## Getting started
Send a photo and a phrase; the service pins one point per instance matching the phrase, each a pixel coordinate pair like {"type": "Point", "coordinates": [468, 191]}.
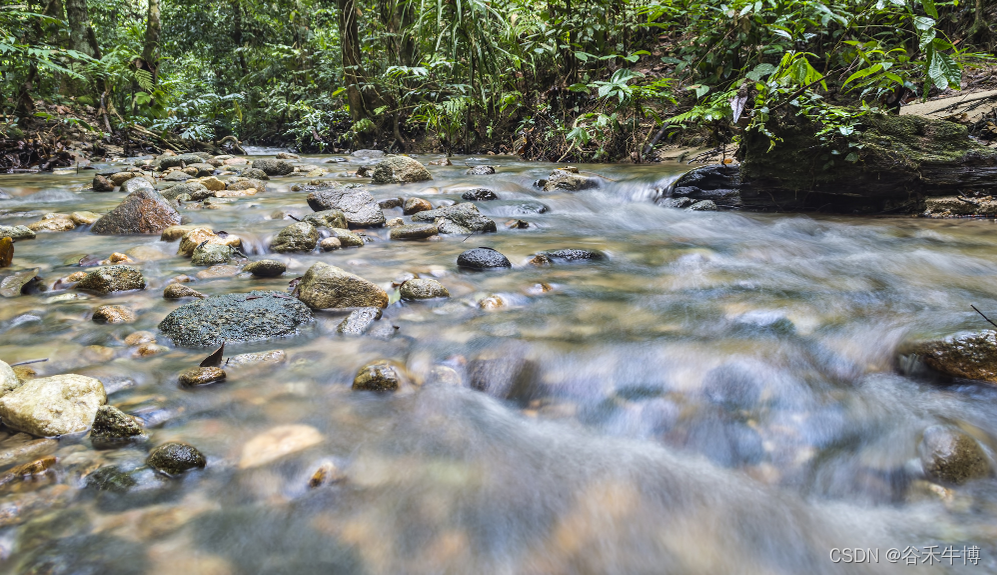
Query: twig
{"type": "Point", "coordinates": [984, 317]}
{"type": "Point", "coordinates": [29, 361]}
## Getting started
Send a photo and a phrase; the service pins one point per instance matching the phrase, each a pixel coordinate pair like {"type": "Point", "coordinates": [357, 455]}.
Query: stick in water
{"type": "Point", "coordinates": [29, 361]}
{"type": "Point", "coordinates": [984, 317]}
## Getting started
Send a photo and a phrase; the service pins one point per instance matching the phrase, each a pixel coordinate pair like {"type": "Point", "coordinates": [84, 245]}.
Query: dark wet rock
{"type": "Point", "coordinates": [573, 255]}
{"type": "Point", "coordinates": [210, 254]}
{"type": "Point", "coordinates": [177, 176]}
{"type": "Point", "coordinates": [359, 321]}
{"type": "Point", "coordinates": [204, 169]}
{"type": "Point", "coordinates": [564, 179]}
{"type": "Point", "coordinates": [174, 458]}
{"type": "Point", "coordinates": [142, 212]}
{"type": "Point", "coordinates": [110, 478]}
{"type": "Point", "coordinates": [733, 387]}
{"type": "Point", "coordinates": [704, 206]}
{"type": "Point", "coordinates": [199, 376]}
{"type": "Point", "coordinates": [274, 167]}
{"type": "Point", "coordinates": [238, 317]}
{"type": "Point", "coordinates": [17, 233]}
{"type": "Point", "coordinates": [110, 279]}
{"type": "Point", "coordinates": [479, 195]}
{"type": "Point", "coordinates": [416, 205]}
{"type": "Point", "coordinates": [381, 375]}
{"type": "Point", "coordinates": [367, 154]}
{"type": "Point", "coordinates": [136, 185]}
{"type": "Point", "coordinates": [53, 406]}
{"type": "Point", "coordinates": [414, 232]}
{"type": "Point", "coordinates": [457, 219]}
{"type": "Point", "coordinates": [347, 239]}
{"type": "Point", "coordinates": [400, 170]}
{"type": "Point", "coordinates": [483, 259]}
{"type": "Point", "coordinates": [967, 355]}
{"type": "Point", "coordinates": [163, 163]}
{"type": "Point", "coordinates": [180, 291]}
{"type": "Point", "coordinates": [112, 424]}
{"type": "Point", "coordinates": [388, 203]}
{"type": "Point", "coordinates": [297, 237]}
{"type": "Point", "coordinates": [113, 314]}
{"type": "Point", "coordinates": [324, 286]}
{"type": "Point", "coordinates": [327, 219]}
{"type": "Point", "coordinates": [480, 171]}
{"type": "Point", "coordinates": [186, 189]}
{"type": "Point", "coordinates": [356, 203]}
{"type": "Point", "coordinates": [19, 282]}
{"type": "Point", "coordinates": [422, 289]}
{"type": "Point", "coordinates": [102, 184]}
{"type": "Point", "coordinates": [951, 456]}
{"type": "Point", "coordinates": [677, 203]}
{"type": "Point", "coordinates": [254, 174]}
{"type": "Point", "coordinates": [265, 268]}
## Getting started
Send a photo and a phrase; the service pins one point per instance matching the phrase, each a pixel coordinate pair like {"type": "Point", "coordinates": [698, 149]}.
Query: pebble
{"type": "Point", "coordinates": [113, 314]}
{"type": "Point", "coordinates": [174, 458]}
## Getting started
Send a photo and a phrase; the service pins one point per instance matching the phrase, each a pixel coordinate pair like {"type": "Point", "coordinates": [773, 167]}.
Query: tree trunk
{"type": "Point", "coordinates": [150, 52]}
{"type": "Point", "coordinates": [79, 26]}
{"type": "Point", "coordinates": [237, 34]}
{"type": "Point", "coordinates": [362, 99]}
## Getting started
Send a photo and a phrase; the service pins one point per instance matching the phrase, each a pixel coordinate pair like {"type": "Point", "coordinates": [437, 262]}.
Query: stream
{"type": "Point", "coordinates": [720, 394]}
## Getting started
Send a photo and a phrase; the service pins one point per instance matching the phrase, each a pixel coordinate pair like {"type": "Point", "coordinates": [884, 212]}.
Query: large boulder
{"type": "Point", "coordinates": [52, 406]}
{"type": "Point", "coordinates": [969, 355]}
{"type": "Point", "coordinates": [298, 237]}
{"type": "Point", "coordinates": [142, 212]}
{"type": "Point", "coordinates": [274, 167]}
{"type": "Point", "coordinates": [110, 279]}
{"type": "Point", "coordinates": [324, 286]}
{"type": "Point", "coordinates": [237, 317]}
{"type": "Point", "coordinates": [400, 170]}
{"type": "Point", "coordinates": [457, 219]}
{"type": "Point", "coordinates": [356, 203]}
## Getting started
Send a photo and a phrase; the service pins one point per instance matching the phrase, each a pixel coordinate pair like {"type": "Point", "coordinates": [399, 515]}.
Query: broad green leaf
{"type": "Point", "coordinates": [929, 8]}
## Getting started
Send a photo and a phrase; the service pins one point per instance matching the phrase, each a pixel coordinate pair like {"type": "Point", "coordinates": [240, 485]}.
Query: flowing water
{"type": "Point", "coordinates": [720, 395]}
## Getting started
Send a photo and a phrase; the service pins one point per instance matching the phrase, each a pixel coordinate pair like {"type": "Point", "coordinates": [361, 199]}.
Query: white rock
{"type": "Point", "coordinates": [51, 406]}
{"type": "Point", "coordinates": [276, 443]}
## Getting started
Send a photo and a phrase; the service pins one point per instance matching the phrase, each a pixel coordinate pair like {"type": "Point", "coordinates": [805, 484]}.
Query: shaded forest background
{"type": "Point", "coordinates": [578, 80]}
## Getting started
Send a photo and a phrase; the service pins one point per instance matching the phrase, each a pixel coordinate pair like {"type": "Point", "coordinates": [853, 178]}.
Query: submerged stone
{"type": "Point", "coordinates": [951, 456]}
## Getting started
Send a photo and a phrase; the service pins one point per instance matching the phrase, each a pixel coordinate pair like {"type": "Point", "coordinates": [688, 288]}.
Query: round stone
{"type": "Point", "coordinates": [174, 458]}
{"type": "Point", "coordinates": [483, 259]}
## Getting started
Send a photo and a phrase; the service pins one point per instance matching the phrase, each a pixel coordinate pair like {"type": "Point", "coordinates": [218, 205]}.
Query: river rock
{"type": "Point", "coordinates": [356, 203]}
{"type": "Point", "coordinates": [416, 205]}
{"type": "Point", "coordinates": [112, 279]}
{"type": "Point", "coordinates": [273, 357]}
{"type": "Point", "coordinates": [567, 180]}
{"type": "Point", "coordinates": [265, 268]}
{"type": "Point", "coordinates": [238, 187]}
{"type": "Point", "coordinates": [380, 375]}
{"type": "Point", "coordinates": [6, 252]}
{"type": "Point", "coordinates": [204, 169]}
{"type": "Point", "coordinates": [479, 195]}
{"type": "Point", "coordinates": [327, 219]}
{"type": "Point", "coordinates": [112, 424]}
{"type": "Point", "coordinates": [366, 154]}
{"type": "Point", "coordinates": [388, 203]}
{"type": "Point", "coordinates": [102, 184]}
{"type": "Point", "coordinates": [113, 314]}
{"type": "Point", "coordinates": [422, 289]}
{"type": "Point", "coordinates": [971, 355]}
{"type": "Point", "coordinates": [572, 255]}
{"type": "Point", "coordinates": [400, 170]}
{"type": "Point", "coordinates": [197, 236]}
{"type": "Point", "coordinates": [52, 406]}
{"type": "Point", "coordinates": [121, 177]}
{"type": "Point", "coordinates": [297, 237]}
{"type": "Point", "coordinates": [174, 458]}
{"type": "Point", "coordinates": [8, 379]}
{"type": "Point", "coordinates": [329, 244]}
{"type": "Point", "coordinates": [457, 219]}
{"type": "Point", "coordinates": [274, 167]}
{"type": "Point", "coordinates": [186, 189]}
{"type": "Point", "coordinates": [142, 212]}
{"type": "Point", "coordinates": [324, 286]}
{"type": "Point", "coordinates": [276, 443]}
{"type": "Point", "coordinates": [16, 283]}
{"type": "Point", "coordinates": [254, 174]}
{"type": "Point", "coordinates": [84, 218]}
{"type": "Point", "coordinates": [483, 259]}
{"type": "Point", "coordinates": [136, 185]}
{"type": "Point", "coordinates": [53, 223]}
{"type": "Point", "coordinates": [480, 171]}
{"type": "Point", "coordinates": [17, 233]}
{"type": "Point", "coordinates": [165, 162]}
{"type": "Point", "coordinates": [237, 317]}
{"type": "Point", "coordinates": [209, 254]}
{"type": "Point", "coordinates": [359, 321]}
{"type": "Point", "coordinates": [704, 206]}
{"type": "Point", "coordinates": [347, 239]}
{"type": "Point", "coordinates": [212, 184]}
{"type": "Point", "coordinates": [200, 376]}
{"type": "Point", "coordinates": [414, 232]}
{"type": "Point", "coordinates": [177, 176]}
{"type": "Point", "coordinates": [174, 233]}
{"type": "Point", "coordinates": [180, 291]}
{"type": "Point", "coordinates": [950, 456]}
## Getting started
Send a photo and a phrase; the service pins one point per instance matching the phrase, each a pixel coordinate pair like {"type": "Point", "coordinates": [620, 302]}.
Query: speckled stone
{"type": "Point", "coordinates": [110, 279]}
{"type": "Point", "coordinates": [253, 316]}
{"type": "Point", "coordinates": [174, 458]}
